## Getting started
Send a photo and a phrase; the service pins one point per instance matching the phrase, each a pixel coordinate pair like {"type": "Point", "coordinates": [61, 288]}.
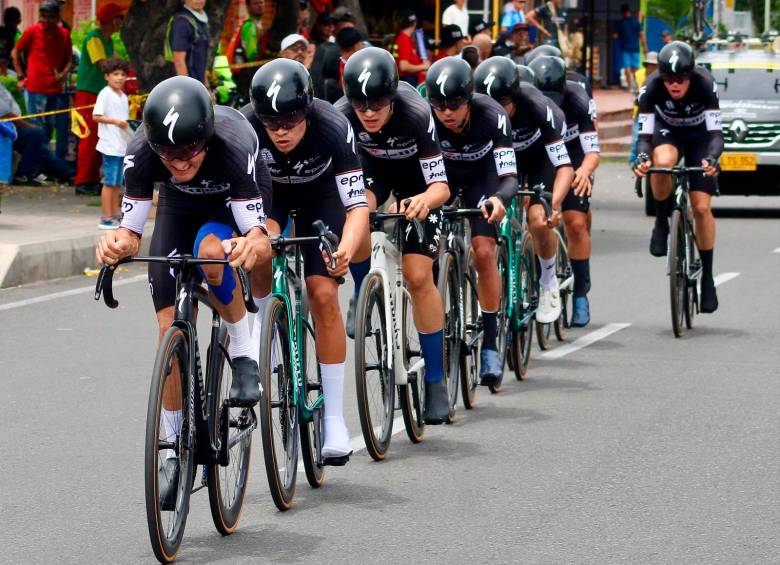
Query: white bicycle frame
{"type": "Point", "coordinates": [386, 262]}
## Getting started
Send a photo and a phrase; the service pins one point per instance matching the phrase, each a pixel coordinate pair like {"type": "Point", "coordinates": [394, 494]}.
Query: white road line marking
{"type": "Point", "coordinates": [724, 278]}
{"type": "Point", "coordinates": [776, 250]}
{"type": "Point", "coordinates": [584, 341]}
{"type": "Point", "coordinates": [66, 293]}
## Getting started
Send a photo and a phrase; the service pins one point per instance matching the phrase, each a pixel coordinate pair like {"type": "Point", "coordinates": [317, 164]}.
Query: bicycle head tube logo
{"type": "Point", "coordinates": [363, 78]}
{"type": "Point", "coordinates": [273, 93]}
{"type": "Point", "coordinates": [170, 120]}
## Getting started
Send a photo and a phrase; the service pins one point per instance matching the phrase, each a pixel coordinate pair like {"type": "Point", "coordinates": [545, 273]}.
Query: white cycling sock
{"type": "Point", "coordinates": [239, 345]}
{"type": "Point", "coordinates": [333, 389]}
{"type": "Point", "coordinates": [172, 423]}
{"type": "Point", "coordinates": [257, 326]}
{"type": "Point", "coordinates": [548, 276]}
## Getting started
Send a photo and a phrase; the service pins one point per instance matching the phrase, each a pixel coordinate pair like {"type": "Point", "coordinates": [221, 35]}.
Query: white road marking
{"type": "Point", "coordinates": [776, 250]}
{"type": "Point", "coordinates": [724, 278]}
{"type": "Point", "coordinates": [584, 341]}
{"type": "Point", "coordinates": [66, 293]}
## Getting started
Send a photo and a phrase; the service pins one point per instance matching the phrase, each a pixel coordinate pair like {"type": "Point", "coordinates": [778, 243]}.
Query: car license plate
{"type": "Point", "coordinates": [738, 162]}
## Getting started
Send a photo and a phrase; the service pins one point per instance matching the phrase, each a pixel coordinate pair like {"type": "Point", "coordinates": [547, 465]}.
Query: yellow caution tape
{"type": "Point", "coordinates": [78, 125]}
{"type": "Point", "coordinates": [137, 98]}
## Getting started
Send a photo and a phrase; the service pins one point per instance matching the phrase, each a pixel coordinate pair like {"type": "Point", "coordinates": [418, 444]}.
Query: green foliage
{"type": "Point", "coordinates": [670, 11]}
{"type": "Point", "coordinates": [79, 32]}
{"type": "Point", "coordinates": [12, 85]}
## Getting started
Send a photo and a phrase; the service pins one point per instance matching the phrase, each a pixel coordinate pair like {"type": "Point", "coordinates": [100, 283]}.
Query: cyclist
{"type": "Point", "coordinates": [476, 142]}
{"type": "Point", "coordinates": [679, 116]}
{"type": "Point", "coordinates": [213, 185]}
{"type": "Point", "coordinates": [538, 127]}
{"type": "Point", "coordinates": [310, 150]}
{"type": "Point", "coordinates": [552, 51]}
{"type": "Point", "coordinates": [582, 143]}
{"type": "Point", "coordinates": [400, 153]}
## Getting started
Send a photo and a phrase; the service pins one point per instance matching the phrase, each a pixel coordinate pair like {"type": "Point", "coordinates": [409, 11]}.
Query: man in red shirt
{"type": "Point", "coordinates": [452, 41]}
{"type": "Point", "coordinates": [49, 57]}
{"type": "Point", "coordinates": [411, 68]}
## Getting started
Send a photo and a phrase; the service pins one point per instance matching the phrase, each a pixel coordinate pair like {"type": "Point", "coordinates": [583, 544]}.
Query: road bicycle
{"type": "Point", "coordinates": [683, 262]}
{"type": "Point", "coordinates": [388, 359]}
{"type": "Point", "coordinates": [212, 432]}
{"type": "Point", "coordinates": [292, 403]}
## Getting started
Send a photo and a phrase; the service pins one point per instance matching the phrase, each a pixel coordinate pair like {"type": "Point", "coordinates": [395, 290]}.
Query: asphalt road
{"type": "Point", "coordinates": [637, 448]}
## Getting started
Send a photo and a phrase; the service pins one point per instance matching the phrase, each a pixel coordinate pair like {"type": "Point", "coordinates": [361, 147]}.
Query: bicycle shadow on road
{"type": "Point", "coordinates": [701, 330]}
{"type": "Point", "coordinates": [748, 213]}
{"type": "Point", "coordinates": [344, 491]}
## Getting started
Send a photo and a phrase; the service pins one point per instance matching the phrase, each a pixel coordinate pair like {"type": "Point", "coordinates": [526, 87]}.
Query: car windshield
{"type": "Point", "coordinates": [748, 84]}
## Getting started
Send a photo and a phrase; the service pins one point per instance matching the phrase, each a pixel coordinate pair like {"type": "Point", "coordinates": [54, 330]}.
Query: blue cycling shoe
{"type": "Point", "coordinates": [490, 370]}
{"type": "Point", "coordinates": [581, 317]}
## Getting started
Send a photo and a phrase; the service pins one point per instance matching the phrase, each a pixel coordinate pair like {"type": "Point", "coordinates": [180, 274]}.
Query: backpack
{"type": "Point", "coordinates": [168, 50]}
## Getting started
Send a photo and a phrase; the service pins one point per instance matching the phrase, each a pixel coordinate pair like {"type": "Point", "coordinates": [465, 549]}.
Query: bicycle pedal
{"type": "Point", "coordinates": [336, 461]}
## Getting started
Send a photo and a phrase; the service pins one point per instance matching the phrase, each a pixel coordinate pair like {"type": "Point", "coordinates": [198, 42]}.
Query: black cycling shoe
{"type": "Point", "coordinates": [350, 325]}
{"type": "Point", "coordinates": [708, 302]}
{"type": "Point", "coordinates": [437, 405]}
{"type": "Point", "coordinates": [245, 390]}
{"type": "Point", "coordinates": [168, 483]}
{"type": "Point", "coordinates": [659, 246]}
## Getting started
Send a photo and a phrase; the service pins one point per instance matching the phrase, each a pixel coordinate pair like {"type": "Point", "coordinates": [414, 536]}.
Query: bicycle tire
{"type": "Point", "coordinates": [449, 290]}
{"type": "Point", "coordinates": [469, 368]}
{"type": "Point", "coordinates": [677, 274]}
{"type": "Point", "coordinates": [166, 540]}
{"type": "Point", "coordinates": [411, 408]}
{"type": "Point", "coordinates": [503, 308]}
{"type": "Point", "coordinates": [371, 349]}
{"type": "Point", "coordinates": [563, 272]}
{"type": "Point", "coordinates": [692, 296]}
{"type": "Point", "coordinates": [312, 379]}
{"type": "Point", "coordinates": [226, 510]}
{"type": "Point", "coordinates": [276, 375]}
{"type": "Point", "coordinates": [523, 336]}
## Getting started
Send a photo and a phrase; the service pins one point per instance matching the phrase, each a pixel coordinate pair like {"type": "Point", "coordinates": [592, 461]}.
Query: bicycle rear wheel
{"type": "Point", "coordinates": [374, 381]}
{"type": "Point", "coordinates": [501, 315]}
{"type": "Point", "coordinates": [411, 396]}
{"type": "Point", "coordinates": [169, 432]}
{"type": "Point", "coordinates": [227, 485]}
{"type": "Point", "coordinates": [564, 274]}
{"type": "Point", "coordinates": [278, 411]}
{"type": "Point", "coordinates": [469, 370]}
{"type": "Point", "coordinates": [522, 337]}
{"type": "Point", "coordinates": [677, 274]}
{"type": "Point", "coordinates": [449, 289]}
{"type": "Point", "coordinates": [312, 379]}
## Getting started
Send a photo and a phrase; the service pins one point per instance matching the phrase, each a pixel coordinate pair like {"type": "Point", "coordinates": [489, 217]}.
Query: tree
{"type": "Point", "coordinates": [670, 11]}
{"type": "Point", "coordinates": [144, 30]}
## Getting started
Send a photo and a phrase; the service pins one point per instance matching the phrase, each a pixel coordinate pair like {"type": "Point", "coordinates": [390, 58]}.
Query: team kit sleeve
{"type": "Point", "coordinates": [429, 150]}
{"type": "Point", "coordinates": [504, 156]}
{"type": "Point", "coordinates": [346, 165]}
{"type": "Point", "coordinates": [586, 113]}
{"type": "Point", "coordinates": [139, 184]}
{"type": "Point", "coordinates": [646, 117]}
{"type": "Point", "coordinates": [250, 188]}
{"type": "Point", "coordinates": [553, 129]}
{"type": "Point", "coordinates": [713, 120]}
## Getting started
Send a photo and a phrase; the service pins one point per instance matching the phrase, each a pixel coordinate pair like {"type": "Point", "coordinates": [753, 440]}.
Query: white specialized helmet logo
{"type": "Point", "coordinates": [489, 81]}
{"type": "Point", "coordinates": [673, 60]}
{"type": "Point", "coordinates": [170, 120]}
{"type": "Point", "coordinates": [441, 81]}
{"type": "Point", "coordinates": [363, 78]}
{"type": "Point", "coordinates": [273, 92]}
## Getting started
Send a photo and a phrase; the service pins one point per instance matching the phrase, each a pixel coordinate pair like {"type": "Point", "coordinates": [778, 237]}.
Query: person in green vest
{"type": "Point", "coordinates": [248, 43]}
{"type": "Point", "coordinates": [97, 47]}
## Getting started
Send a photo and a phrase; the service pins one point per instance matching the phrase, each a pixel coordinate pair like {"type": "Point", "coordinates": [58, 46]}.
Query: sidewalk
{"type": "Point", "coordinates": [46, 233]}
{"type": "Point", "coordinates": [613, 101]}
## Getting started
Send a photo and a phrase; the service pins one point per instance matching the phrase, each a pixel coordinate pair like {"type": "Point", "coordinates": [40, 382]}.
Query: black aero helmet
{"type": "Point", "coordinates": [676, 59]}
{"type": "Point", "coordinates": [542, 51]}
{"type": "Point", "coordinates": [450, 77]}
{"type": "Point", "coordinates": [497, 77]}
{"type": "Point", "coordinates": [550, 76]}
{"type": "Point", "coordinates": [370, 73]}
{"type": "Point", "coordinates": [526, 74]}
{"type": "Point", "coordinates": [178, 118]}
{"type": "Point", "coordinates": [280, 87]}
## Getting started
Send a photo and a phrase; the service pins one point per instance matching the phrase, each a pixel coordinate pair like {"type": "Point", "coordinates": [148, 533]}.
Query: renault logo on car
{"type": "Point", "coordinates": [738, 130]}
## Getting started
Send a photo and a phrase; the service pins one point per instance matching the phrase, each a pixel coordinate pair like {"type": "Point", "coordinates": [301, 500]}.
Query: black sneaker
{"type": "Point", "coordinates": [709, 298]}
{"type": "Point", "coordinates": [659, 246]}
{"type": "Point", "coordinates": [437, 405]}
{"type": "Point", "coordinates": [350, 325]}
{"type": "Point", "coordinates": [88, 189]}
{"type": "Point", "coordinates": [27, 181]}
{"type": "Point", "coordinates": [245, 390]}
{"type": "Point", "coordinates": [168, 483]}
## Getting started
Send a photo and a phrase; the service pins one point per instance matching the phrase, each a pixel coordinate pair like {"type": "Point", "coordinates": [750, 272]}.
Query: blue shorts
{"type": "Point", "coordinates": [113, 170]}
{"type": "Point", "coordinates": [630, 60]}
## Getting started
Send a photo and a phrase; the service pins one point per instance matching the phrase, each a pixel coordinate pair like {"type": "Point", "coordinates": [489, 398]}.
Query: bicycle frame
{"type": "Point", "coordinates": [682, 203]}
{"type": "Point", "coordinates": [511, 230]}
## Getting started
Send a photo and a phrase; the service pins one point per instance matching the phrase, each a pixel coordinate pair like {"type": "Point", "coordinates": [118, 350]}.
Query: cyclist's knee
{"type": "Point", "coordinates": [576, 226]}
{"type": "Point", "coordinates": [211, 248]}
{"type": "Point", "coordinates": [323, 296]}
{"type": "Point", "coordinates": [164, 319]}
{"type": "Point", "coordinates": [665, 156]}
{"type": "Point", "coordinates": [485, 252]}
{"type": "Point", "coordinates": [417, 277]}
{"type": "Point", "coordinates": [701, 208]}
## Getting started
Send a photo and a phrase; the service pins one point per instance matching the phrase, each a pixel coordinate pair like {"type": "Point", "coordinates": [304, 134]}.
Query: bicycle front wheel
{"type": "Point", "coordinates": [278, 410]}
{"type": "Point", "coordinates": [503, 308]}
{"type": "Point", "coordinates": [566, 277]}
{"type": "Point", "coordinates": [469, 373]}
{"type": "Point", "coordinates": [312, 379]}
{"type": "Point", "coordinates": [449, 289]}
{"type": "Point", "coordinates": [374, 381]}
{"type": "Point", "coordinates": [677, 274]}
{"type": "Point", "coordinates": [522, 337]}
{"type": "Point", "coordinates": [227, 485]}
{"type": "Point", "coordinates": [169, 440]}
{"type": "Point", "coordinates": [411, 396]}
{"type": "Point", "coordinates": [692, 296]}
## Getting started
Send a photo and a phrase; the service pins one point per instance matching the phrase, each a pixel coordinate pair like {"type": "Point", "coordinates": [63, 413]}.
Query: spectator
{"type": "Point", "coordinates": [629, 33]}
{"type": "Point", "coordinates": [350, 41]}
{"type": "Point", "coordinates": [411, 68]}
{"type": "Point", "coordinates": [326, 62]}
{"type": "Point", "coordinates": [9, 31]}
{"type": "Point", "coordinates": [452, 41]}
{"type": "Point", "coordinates": [323, 29]}
{"type": "Point", "coordinates": [190, 40]}
{"type": "Point", "coordinates": [666, 36]}
{"type": "Point", "coordinates": [482, 27]}
{"type": "Point", "coordinates": [295, 47]}
{"type": "Point", "coordinates": [514, 15]}
{"type": "Point", "coordinates": [520, 42]}
{"type": "Point", "coordinates": [112, 111]}
{"type": "Point", "coordinates": [484, 44]}
{"type": "Point", "coordinates": [344, 18]}
{"type": "Point", "coordinates": [547, 21]}
{"type": "Point", "coordinates": [470, 54]}
{"type": "Point", "coordinates": [4, 70]}
{"type": "Point", "coordinates": [247, 44]}
{"type": "Point", "coordinates": [303, 18]}
{"type": "Point", "coordinates": [457, 14]}
{"type": "Point", "coordinates": [97, 47]}
{"type": "Point", "coordinates": [32, 145]}
{"type": "Point", "coordinates": [49, 57]}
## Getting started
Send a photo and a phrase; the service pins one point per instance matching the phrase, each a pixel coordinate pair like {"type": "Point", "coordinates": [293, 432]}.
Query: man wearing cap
{"type": "Point", "coordinates": [482, 27]}
{"type": "Point", "coordinates": [350, 41]}
{"type": "Point", "coordinates": [323, 29]}
{"type": "Point", "coordinates": [97, 47]}
{"type": "Point", "coordinates": [452, 41]}
{"type": "Point", "coordinates": [411, 68]}
{"type": "Point", "coordinates": [344, 18]}
{"type": "Point", "coordinates": [48, 50]}
{"type": "Point", "coordinates": [295, 47]}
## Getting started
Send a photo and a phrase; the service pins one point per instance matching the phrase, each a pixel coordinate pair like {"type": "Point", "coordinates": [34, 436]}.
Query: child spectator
{"type": "Point", "coordinates": [111, 112]}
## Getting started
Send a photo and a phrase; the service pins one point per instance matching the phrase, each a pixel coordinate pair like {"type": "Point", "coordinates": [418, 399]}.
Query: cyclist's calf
{"type": "Point", "coordinates": [329, 328]}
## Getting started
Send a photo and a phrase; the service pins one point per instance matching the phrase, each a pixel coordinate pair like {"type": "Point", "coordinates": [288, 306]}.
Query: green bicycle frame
{"type": "Point", "coordinates": [511, 231]}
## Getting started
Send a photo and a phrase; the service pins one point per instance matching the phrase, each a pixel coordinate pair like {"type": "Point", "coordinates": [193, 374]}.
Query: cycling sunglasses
{"type": "Point", "coordinates": [178, 153]}
{"type": "Point", "coordinates": [375, 104]}
{"type": "Point", "coordinates": [675, 79]}
{"type": "Point", "coordinates": [287, 121]}
{"type": "Point", "coordinates": [442, 104]}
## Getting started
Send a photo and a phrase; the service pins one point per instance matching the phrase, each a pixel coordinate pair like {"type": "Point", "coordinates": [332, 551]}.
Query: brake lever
{"type": "Point", "coordinates": [104, 286]}
{"type": "Point", "coordinates": [638, 186]}
{"type": "Point", "coordinates": [418, 227]}
{"type": "Point", "coordinates": [329, 241]}
{"type": "Point", "coordinates": [246, 290]}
